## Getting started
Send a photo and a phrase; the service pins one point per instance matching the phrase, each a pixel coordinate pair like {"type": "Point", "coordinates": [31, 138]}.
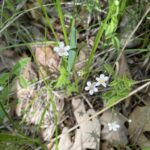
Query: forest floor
{"type": "Point", "coordinates": [74, 75]}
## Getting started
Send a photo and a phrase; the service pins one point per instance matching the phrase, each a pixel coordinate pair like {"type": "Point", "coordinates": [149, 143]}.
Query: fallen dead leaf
{"type": "Point", "coordinates": [139, 128]}
{"type": "Point", "coordinates": [34, 100]}
{"type": "Point", "coordinates": [45, 57]}
{"type": "Point", "coordinates": [65, 141]}
{"type": "Point", "coordinates": [88, 134]}
{"type": "Point", "coordinates": [113, 138]}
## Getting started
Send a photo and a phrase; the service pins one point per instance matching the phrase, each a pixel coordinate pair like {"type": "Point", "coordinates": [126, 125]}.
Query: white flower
{"type": "Point", "coordinates": [80, 73]}
{"type": "Point", "coordinates": [102, 80]}
{"type": "Point", "coordinates": [91, 87]}
{"type": "Point", "coordinates": [62, 50]}
{"type": "Point", "coordinates": [116, 2]}
{"type": "Point", "coordinates": [1, 88]}
{"type": "Point", "coordinates": [113, 126]}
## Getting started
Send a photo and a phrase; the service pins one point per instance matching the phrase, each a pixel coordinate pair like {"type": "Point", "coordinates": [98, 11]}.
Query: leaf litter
{"type": "Point", "coordinates": [110, 130]}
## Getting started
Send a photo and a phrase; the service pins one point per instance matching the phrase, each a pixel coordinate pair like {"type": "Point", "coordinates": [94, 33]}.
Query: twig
{"type": "Point", "coordinates": [87, 101]}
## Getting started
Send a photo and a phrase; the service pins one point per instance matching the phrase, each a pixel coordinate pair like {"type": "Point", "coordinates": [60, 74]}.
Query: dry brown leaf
{"type": "Point", "coordinates": [65, 141]}
{"type": "Point", "coordinates": [46, 57]}
{"type": "Point", "coordinates": [32, 102]}
{"type": "Point", "coordinates": [139, 128]}
{"type": "Point", "coordinates": [113, 138]}
{"type": "Point", "coordinates": [88, 134]}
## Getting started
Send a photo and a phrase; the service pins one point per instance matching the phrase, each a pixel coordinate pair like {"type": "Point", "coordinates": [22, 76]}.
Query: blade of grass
{"type": "Point", "coordinates": [97, 40]}
{"type": "Point", "coordinates": [61, 17]}
{"type": "Point", "coordinates": [51, 101]}
{"type": "Point", "coordinates": [73, 43]}
{"type": "Point", "coordinates": [48, 19]}
{"type": "Point", "coordinates": [9, 118]}
{"type": "Point", "coordinates": [122, 7]}
{"type": "Point", "coordinates": [28, 44]}
{"type": "Point", "coordinates": [20, 140]}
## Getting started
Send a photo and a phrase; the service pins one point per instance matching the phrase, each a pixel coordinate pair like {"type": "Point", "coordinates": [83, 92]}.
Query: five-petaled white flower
{"type": "Point", "coordinates": [91, 87]}
{"type": "Point", "coordinates": [102, 80]}
{"type": "Point", "coordinates": [1, 88]}
{"type": "Point", "coordinates": [62, 50]}
{"type": "Point", "coordinates": [113, 126]}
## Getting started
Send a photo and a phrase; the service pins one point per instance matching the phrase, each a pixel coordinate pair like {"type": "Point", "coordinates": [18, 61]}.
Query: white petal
{"type": "Point", "coordinates": [102, 76]}
{"type": "Point", "coordinates": [104, 84]}
{"type": "Point", "coordinates": [114, 129]}
{"type": "Point", "coordinates": [106, 78]}
{"type": "Point", "coordinates": [61, 44]}
{"type": "Point", "coordinates": [65, 54]}
{"type": "Point", "coordinates": [56, 49]}
{"type": "Point", "coordinates": [67, 48]}
{"type": "Point", "coordinates": [91, 92]}
{"type": "Point", "coordinates": [97, 78]}
{"type": "Point", "coordinates": [60, 54]}
{"type": "Point", "coordinates": [117, 126]}
{"type": "Point", "coordinates": [88, 83]}
{"type": "Point", "coordinates": [95, 89]}
{"type": "Point", "coordinates": [110, 126]}
{"type": "Point", "coordinates": [86, 88]}
{"type": "Point", "coordinates": [97, 83]}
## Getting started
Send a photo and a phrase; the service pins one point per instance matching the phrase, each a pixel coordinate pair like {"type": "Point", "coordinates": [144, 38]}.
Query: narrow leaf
{"type": "Point", "coordinates": [72, 52]}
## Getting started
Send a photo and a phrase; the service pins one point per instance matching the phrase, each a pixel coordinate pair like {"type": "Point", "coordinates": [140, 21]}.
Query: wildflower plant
{"type": "Point", "coordinates": [119, 87]}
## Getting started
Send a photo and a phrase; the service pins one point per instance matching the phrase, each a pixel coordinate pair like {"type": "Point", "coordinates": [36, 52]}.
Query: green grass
{"type": "Point", "coordinates": [61, 17]}
{"type": "Point", "coordinates": [120, 88]}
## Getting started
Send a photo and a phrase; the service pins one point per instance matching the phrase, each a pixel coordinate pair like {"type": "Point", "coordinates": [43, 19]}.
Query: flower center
{"type": "Point", "coordinates": [101, 81]}
{"type": "Point", "coordinates": [91, 87]}
{"type": "Point", "coordinates": [62, 50]}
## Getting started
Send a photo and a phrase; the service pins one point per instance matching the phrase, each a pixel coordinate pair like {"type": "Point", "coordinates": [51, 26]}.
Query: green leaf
{"type": "Point", "coordinates": [116, 42]}
{"type": "Point", "coordinates": [2, 115]}
{"type": "Point", "coordinates": [120, 87]}
{"type": "Point", "coordinates": [4, 78]}
{"type": "Point", "coordinates": [109, 69]}
{"type": "Point", "coordinates": [111, 27]}
{"type": "Point", "coordinates": [73, 45]}
{"type": "Point", "coordinates": [71, 88]}
{"type": "Point", "coordinates": [23, 82]}
{"type": "Point", "coordinates": [20, 65]}
{"type": "Point", "coordinates": [63, 78]}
